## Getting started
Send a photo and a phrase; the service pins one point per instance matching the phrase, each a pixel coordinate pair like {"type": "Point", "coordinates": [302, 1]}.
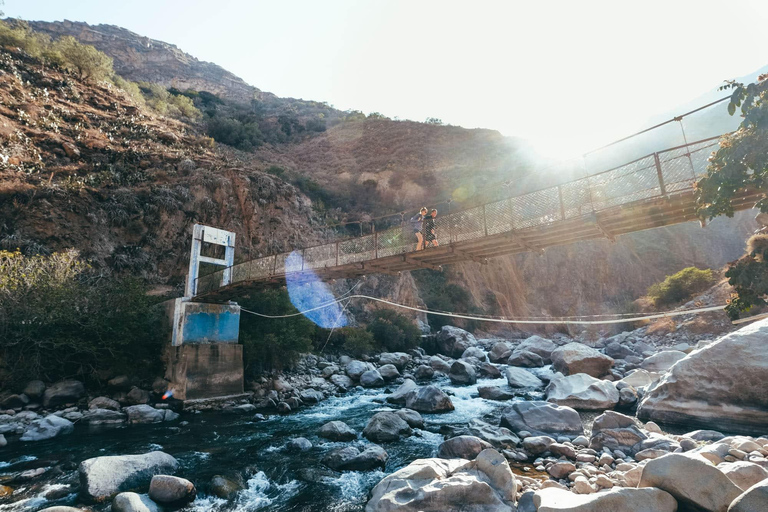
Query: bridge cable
{"type": "Point", "coordinates": [553, 320]}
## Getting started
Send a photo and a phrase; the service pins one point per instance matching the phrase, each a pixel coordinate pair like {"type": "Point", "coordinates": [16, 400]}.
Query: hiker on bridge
{"type": "Point", "coordinates": [417, 222]}
{"type": "Point", "coordinates": [428, 229]}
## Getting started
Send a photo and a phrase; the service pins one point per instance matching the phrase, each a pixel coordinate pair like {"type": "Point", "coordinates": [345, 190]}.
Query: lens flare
{"type": "Point", "coordinates": [168, 394]}
{"type": "Point", "coordinates": [307, 291]}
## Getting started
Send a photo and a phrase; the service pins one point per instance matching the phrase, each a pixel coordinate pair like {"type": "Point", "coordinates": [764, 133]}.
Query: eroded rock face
{"type": "Point", "coordinates": [617, 499]}
{"type": "Point", "coordinates": [720, 386]}
{"type": "Point", "coordinates": [485, 484]}
{"type": "Point", "coordinates": [575, 358]}
{"type": "Point", "coordinates": [103, 477]}
{"type": "Point", "coordinates": [542, 418]}
{"type": "Point", "coordinates": [583, 392]}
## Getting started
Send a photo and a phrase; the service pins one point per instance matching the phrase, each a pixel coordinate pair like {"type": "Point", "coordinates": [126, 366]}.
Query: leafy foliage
{"type": "Point", "coordinates": [393, 332]}
{"type": "Point", "coordinates": [85, 60]}
{"type": "Point", "coordinates": [440, 295]}
{"type": "Point", "coordinates": [680, 286]}
{"type": "Point", "coordinates": [749, 277]}
{"type": "Point", "coordinates": [59, 318]}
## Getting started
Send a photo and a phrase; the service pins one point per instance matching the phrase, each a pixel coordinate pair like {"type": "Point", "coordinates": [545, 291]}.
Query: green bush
{"type": "Point", "coordinates": [680, 286]}
{"type": "Point", "coordinates": [85, 60]}
{"type": "Point", "coordinates": [393, 332]}
{"type": "Point", "coordinates": [356, 341]}
{"type": "Point", "coordinates": [232, 132]}
{"type": "Point", "coordinates": [165, 103]}
{"type": "Point", "coordinates": [24, 38]}
{"type": "Point", "coordinates": [59, 318]}
{"type": "Point", "coordinates": [440, 295]}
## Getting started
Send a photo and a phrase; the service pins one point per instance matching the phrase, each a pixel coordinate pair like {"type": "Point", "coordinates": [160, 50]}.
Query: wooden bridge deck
{"type": "Point", "coordinates": [653, 191]}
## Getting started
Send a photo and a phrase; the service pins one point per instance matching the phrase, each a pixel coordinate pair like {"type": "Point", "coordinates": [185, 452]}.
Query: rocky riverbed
{"type": "Point", "coordinates": [516, 424]}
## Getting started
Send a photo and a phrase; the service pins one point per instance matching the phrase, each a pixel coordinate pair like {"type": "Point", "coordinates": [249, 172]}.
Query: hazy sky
{"type": "Point", "coordinates": [567, 75]}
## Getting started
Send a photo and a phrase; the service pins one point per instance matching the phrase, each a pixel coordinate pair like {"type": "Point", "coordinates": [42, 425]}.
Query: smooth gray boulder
{"type": "Point", "coordinates": [499, 437]}
{"type": "Point", "coordinates": [542, 347]}
{"type": "Point", "coordinates": [401, 393]}
{"type": "Point", "coordinates": [494, 393]}
{"type": "Point", "coordinates": [743, 473]}
{"type": "Point", "coordinates": [371, 379]}
{"type": "Point", "coordinates": [424, 372]}
{"type": "Point", "coordinates": [428, 399]}
{"type": "Point", "coordinates": [63, 392]}
{"type": "Point", "coordinates": [500, 352]}
{"type": "Point", "coordinates": [754, 499]}
{"type": "Point", "coordinates": [132, 502]}
{"type": "Point", "coordinates": [453, 341]}
{"type": "Point", "coordinates": [337, 431]}
{"type": "Point", "coordinates": [103, 402]}
{"type": "Point", "coordinates": [168, 489]}
{"type": "Point", "coordinates": [355, 369]}
{"type": "Point", "coordinates": [103, 477]}
{"type": "Point", "coordinates": [575, 358]}
{"type": "Point", "coordinates": [485, 484]}
{"type": "Point", "coordinates": [34, 389]}
{"type": "Point", "coordinates": [141, 414]}
{"type": "Point", "coordinates": [582, 392]}
{"type": "Point", "coordinates": [720, 386]}
{"type": "Point", "coordinates": [342, 382]}
{"type": "Point", "coordinates": [525, 359]}
{"type": "Point", "coordinates": [615, 431]}
{"type": "Point", "coordinates": [462, 373]}
{"type": "Point", "coordinates": [462, 447]}
{"type": "Point", "coordinates": [439, 364]}
{"type": "Point", "coordinates": [474, 353]}
{"type": "Point", "coordinates": [397, 359]}
{"type": "Point", "coordinates": [47, 428]}
{"type": "Point", "coordinates": [385, 427]}
{"type": "Point", "coordinates": [542, 418]}
{"type": "Point", "coordinates": [411, 417]}
{"type": "Point", "coordinates": [350, 458]}
{"type": "Point", "coordinates": [520, 378]}
{"type": "Point", "coordinates": [618, 499]}
{"type": "Point", "coordinates": [388, 372]}
{"type": "Point", "coordinates": [692, 480]}
{"type": "Point", "coordinates": [662, 361]}
{"type": "Point", "coordinates": [298, 444]}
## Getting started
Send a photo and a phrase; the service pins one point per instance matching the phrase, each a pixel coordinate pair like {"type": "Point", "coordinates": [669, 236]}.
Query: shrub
{"type": "Point", "coordinates": [275, 170]}
{"type": "Point", "coordinates": [440, 295]}
{"type": "Point", "coordinates": [356, 341]}
{"type": "Point", "coordinates": [23, 37]}
{"type": "Point", "coordinates": [59, 318]}
{"type": "Point", "coordinates": [393, 332]}
{"type": "Point", "coordinates": [680, 286]}
{"type": "Point", "coordinates": [165, 103]}
{"type": "Point", "coordinates": [85, 60]}
{"type": "Point", "coordinates": [232, 132]}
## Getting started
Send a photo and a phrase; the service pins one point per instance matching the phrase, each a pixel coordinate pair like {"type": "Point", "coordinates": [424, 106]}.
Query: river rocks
{"type": "Point", "coordinates": [615, 431]}
{"type": "Point", "coordinates": [462, 447]}
{"type": "Point", "coordinates": [224, 487]}
{"type": "Point", "coordinates": [462, 373]}
{"type": "Point", "coordinates": [120, 383]}
{"type": "Point", "coordinates": [542, 418]}
{"type": "Point", "coordinates": [397, 359]}
{"type": "Point", "coordinates": [428, 399]}
{"type": "Point", "coordinates": [691, 480]}
{"type": "Point", "coordinates": [311, 396]}
{"type": "Point", "coordinates": [350, 458]}
{"type": "Point", "coordinates": [439, 364]}
{"type": "Point", "coordinates": [753, 499]}
{"type": "Point", "coordinates": [662, 361]}
{"type": "Point", "coordinates": [575, 358]}
{"type": "Point", "coordinates": [298, 444]}
{"type": "Point", "coordinates": [581, 391]}
{"type": "Point", "coordinates": [342, 382]}
{"type": "Point", "coordinates": [537, 444]}
{"type": "Point", "coordinates": [47, 428]}
{"type": "Point", "coordinates": [62, 509]}
{"type": "Point", "coordinates": [474, 353]}
{"type": "Point", "coordinates": [500, 352]}
{"type": "Point", "coordinates": [389, 372]}
{"type": "Point", "coordinates": [744, 474]}
{"type": "Point", "coordinates": [485, 484]}
{"type": "Point", "coordinates": [34, 389]}
{"type": "Point", "coordinates": [63, 392]}
{"type": "Point", "coordinates": [525, 359]}
{"type": "Point", "coordinates": [499, 437]}
{"type": "Point", "coordinates": [424, 372]}
{"type": "Point", "coordinates": [355, 369]}
{"type": "Point", "coordinates": [96, 417]}
{"type": "Point", "coordinates": [721, 385]}
{"type": "Point", "coordinates": [102, 402]}
{"type": "Point", "coordinates": [617, 499]}
{"type": "Point", "coordinates": [140, 414]}
{"type": "Point", "coordinates": [401, 393]}
{"type": "Point", "coordinates": [386, 427]}
{"type": "Point", "coordinates": [167, 489]}
{"type": "Point", "coordinates": [337, 431]}
{"type": "Point", "coordinates": [561, 469]}
{"type": "Point", "coordinates": [519, 378]}
{"type": "Point", "coordinates": [411, 417]}
{"type": "Point", "coordinates": [14, 401]}
{"type": "Point", "coordinates": [103, 477]}
{"type": "Point", "coordinates": [371, 379]}
{"type": "Point", "coordinates": [539, 346]}
{"type": "Point", "coordinates": [618, 350]}
{"type": "Point", "coordinates": [453, 341]}
{"type": "Point", "coordinates": [494, 393]}
{"type": "Point", "coordinates": [132, 502]}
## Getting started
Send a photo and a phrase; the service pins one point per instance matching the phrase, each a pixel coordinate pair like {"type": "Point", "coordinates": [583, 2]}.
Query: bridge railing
{"type": "Point", "coordinates": [658, 174]}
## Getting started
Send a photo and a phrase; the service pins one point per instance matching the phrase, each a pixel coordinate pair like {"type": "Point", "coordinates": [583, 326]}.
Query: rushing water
{"type": "Point", "coordinates": [214, 443]}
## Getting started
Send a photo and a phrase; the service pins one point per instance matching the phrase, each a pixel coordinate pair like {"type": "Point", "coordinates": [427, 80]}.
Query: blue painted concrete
{"type": "Point", "coordinates": [211, 323]}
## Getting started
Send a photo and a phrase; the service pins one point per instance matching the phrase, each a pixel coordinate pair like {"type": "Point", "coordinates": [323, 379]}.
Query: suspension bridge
{"type": "Point", "coordinates": [652, 191]}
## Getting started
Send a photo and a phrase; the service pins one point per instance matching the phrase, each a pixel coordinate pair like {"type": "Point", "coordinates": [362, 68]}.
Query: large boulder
{"type": "Point", "coordinates": [754, 499]}
{"type": "Point", "coordinates": [525, 359]}
{"type": "Point", "coordinates": [439, 364]}
{"type": "Point", "coordinates": [102, 402]}
{"type": "Point", "coordinates": [132, 502]}
{"type": "Point", "coordinates": [371, 379]}
{"type": "Point", "coordinates": [355, 369]}
{"type": "Point", "coordinates": [103, 477]}
{"type": "Point", "coordinates": [385, 427]}
{"type": "Point", "coordinates": [539, 346]}
{"type": "Point", "coordinates": [399, 359]}
{"type": "Point", "coordinates": [428, 399]}
{"type": "Point", "coordinates": [462, 373]}
{"type": "Point", "coordinates": [692, 480]}
{"type": "Point", "coordinates": [63, 392]}
{"type": "Point", "coordinates": [500, 352]}
{"type": "Point", "coordinates": [103, 417]}
{"type": "Point", "coordinates": [342, 382]}
{"type": "Point", "coordinates": [475, 353]}
{"type": "Point", "coordinates": [462, 447]}
{"type": "Point", "coordinates": [401, 393]}
{"type": "Point", "coordinates": [617, 499]}
{"type": "Point", "coordinates": [47, 428]}
{"type": "Point", "coordinates": [485, 484]}
{"type": "Point", "coordinates": [453, 341]}
{"type": "Point", "coordinates": [389, 372]}
{"type": "Point", "coordinates": [140, 414]}
{"type": "Point", "coordinates": [499, 437]}
{"type": "Point", "coordinates": [34, 389]}
{"type": "Point", "coordinates": [583, 392]}
{"type": "Point", "coordinates": [520, 378]}
{"type": "Point", "coordinates": [337, 431]}
{"type": "Point", "coordinates": [662, 361]}
{"type": "Point", "coordinates": [615, 431]}
{"type": "Point", "coordinates": [542, 418]}
{"type": "Point", "coordinates": [494, 393]}
{"type": "Point", "coordinates": [618, 350]}
{"type": "Point", "coordinates": [350, 458]}
{"type": "Point", "coordinates": [411, 417]}
{"type": "Point", "coordinates": [638, 379]}
{"type": "Point", "coordinates": [720, 386]}
{"type": "Point", "coordinates": [744, 474]}
{"type": "Point", "coordinates": [575, 358]}
{"type": "Point", "coordinates": [171, 490]}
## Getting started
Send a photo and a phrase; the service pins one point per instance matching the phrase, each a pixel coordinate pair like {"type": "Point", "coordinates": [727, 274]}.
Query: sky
{"type": "Point", "coordinates": [566, 75]}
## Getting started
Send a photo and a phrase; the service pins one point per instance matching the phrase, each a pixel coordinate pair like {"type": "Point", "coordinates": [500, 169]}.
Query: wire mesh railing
{"type": "Point", "coordinates": [658, 174]}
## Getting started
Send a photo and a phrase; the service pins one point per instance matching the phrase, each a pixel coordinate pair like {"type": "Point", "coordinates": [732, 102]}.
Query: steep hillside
{"type": "Point", "coordinates": [82, 166]}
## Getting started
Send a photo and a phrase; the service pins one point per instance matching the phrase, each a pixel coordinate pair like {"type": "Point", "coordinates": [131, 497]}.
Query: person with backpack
{"type": "Point", "coordinates": [416, 224]}
{"type": "Point", "coordinates": [428, 229]}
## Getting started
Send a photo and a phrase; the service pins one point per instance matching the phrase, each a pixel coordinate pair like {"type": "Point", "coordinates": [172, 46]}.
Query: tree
{"type": "Point", "coordinates": [85, 60]}
{"type": "Point", "coordinates": [741, 163]}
